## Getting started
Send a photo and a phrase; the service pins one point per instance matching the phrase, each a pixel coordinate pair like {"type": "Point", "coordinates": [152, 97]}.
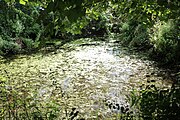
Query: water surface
{"type": "Point", "coordinates": [88, 77]}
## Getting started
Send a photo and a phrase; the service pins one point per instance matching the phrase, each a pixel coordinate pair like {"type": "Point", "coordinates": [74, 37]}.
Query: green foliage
{"type": "Point", "coordinates": [28, 43]}
{"type": "Point", "coordinates": [140, 38]}
{"type": "Point", "coordinates": [134, 34]}
{"type": "Point", "coordinates": [153, 103]}
{"type": "Point", "coordinates": [20, 104]}
{"type": "Point", "coordinates": [8, 47]}
{"type": "Point", "coordinates": [126, 34]}
{"type": "Point", "coordinates": [15, 27]}
{"type": "Point", "coordinates": [138, 27]}
{"type": "Point", "coordinates": [3, 82]}
{"type": "Point", "coordinates": [131, 18]}
{"type": "Point", "coordinates": [165, 39]}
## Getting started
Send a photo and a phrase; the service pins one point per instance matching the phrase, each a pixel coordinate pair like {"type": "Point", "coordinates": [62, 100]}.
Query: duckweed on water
{"type": "Point", "coordinates": [89, 81]}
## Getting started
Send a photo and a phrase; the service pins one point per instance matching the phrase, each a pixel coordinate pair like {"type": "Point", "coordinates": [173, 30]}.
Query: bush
{"type": "Point", "coordinates": [157, 104]}
{"type": "Point", "coordinates": [140, 38]}
{"type": "Point", "coordinates": [19, 31]}
{"type": "Point", "coordinates": [134, 34]}
{"type": "Point", "coordinates": [165, 39]}
{"type": "Point", "coordinates": [8, 47]}
{"type": "Point", "coordinates": [28, 43]}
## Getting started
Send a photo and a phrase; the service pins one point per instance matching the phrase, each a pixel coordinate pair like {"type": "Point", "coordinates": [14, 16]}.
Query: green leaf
{"type": "Point", "coordinates": [23, 2]}
{"type": "Point", "coordinates": [2, 79]}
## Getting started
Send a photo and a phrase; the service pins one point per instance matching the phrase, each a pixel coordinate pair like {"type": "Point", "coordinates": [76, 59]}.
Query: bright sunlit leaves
{"type": "Point", "coordinates": [23, 2]}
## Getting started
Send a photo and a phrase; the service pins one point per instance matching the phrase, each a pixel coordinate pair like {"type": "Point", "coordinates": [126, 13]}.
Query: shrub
{"type": "Point", "coordinates": [28, 43]}
{"type": "Point", "coordinates": [157, 104]}
{"type": "Point", "coordinates": [16, 24]}
{"type": "Point", "coordinates": [140, 38]}
{"type": "Point", "coordinates": [126, 34]}
{"type": "Point", "coordinates": [134, 34]}
{"type": "Point", "coordinates": [164, 37]}
{"type": "Point", "coordinates": [8, 47]}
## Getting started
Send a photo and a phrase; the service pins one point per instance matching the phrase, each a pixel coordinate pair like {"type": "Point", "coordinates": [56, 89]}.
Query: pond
{"type": "Point", "coordinates": [87, 78]}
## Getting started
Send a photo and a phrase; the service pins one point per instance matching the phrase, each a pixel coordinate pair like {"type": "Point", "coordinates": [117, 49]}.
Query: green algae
{"type": "Point", "coordinates": [79, 75]}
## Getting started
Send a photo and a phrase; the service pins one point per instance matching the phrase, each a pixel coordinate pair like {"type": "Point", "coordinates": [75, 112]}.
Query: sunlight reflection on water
{"type": "Point", "coordinates": [105, 59]}
{"type": "Point", "coordinates": [98, 54]}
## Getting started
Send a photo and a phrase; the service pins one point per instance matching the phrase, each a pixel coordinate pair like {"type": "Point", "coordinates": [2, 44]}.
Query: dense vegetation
{"type": "Point", "coordinates": [150, 26]}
